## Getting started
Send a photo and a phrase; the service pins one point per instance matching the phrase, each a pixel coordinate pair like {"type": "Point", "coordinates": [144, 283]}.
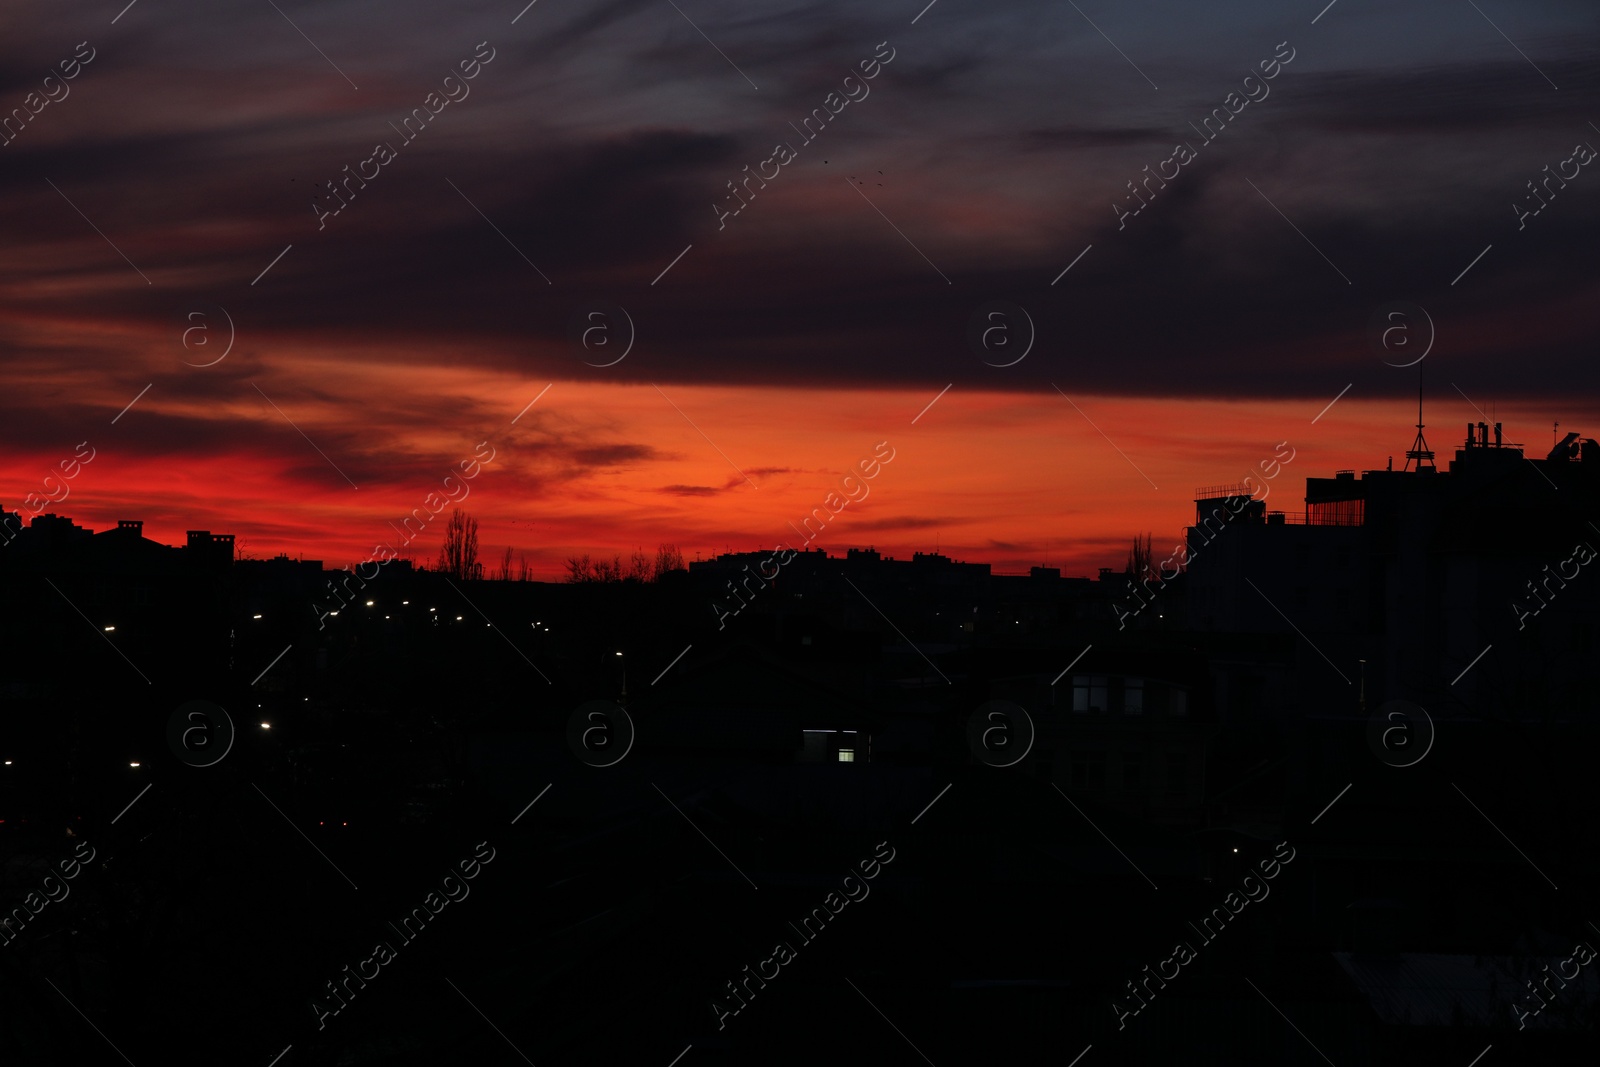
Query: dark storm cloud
{"type": "Point", "coordinates": [588, 22]}
{"type": "Point", "coordinates": [1062, 138]}
{"type": "Point", "coordinates": [1438, 100]}
{"type": "Point", "coordinates": [615, 455]}
{"type": "Point", "coordinates": [759, 472]}
{"type": "Point", "coordinates": [597, 141]}
{"type": "Point", "coordinates": [1006, 546]}
{"type": "Point", "coordinates": [904, 522]}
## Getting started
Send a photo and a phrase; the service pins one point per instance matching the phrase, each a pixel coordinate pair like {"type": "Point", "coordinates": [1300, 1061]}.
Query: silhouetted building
{"type": "Point", "coordinates": [1419, 572]}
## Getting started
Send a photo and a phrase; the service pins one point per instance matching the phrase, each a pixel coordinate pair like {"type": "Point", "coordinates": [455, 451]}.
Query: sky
{"type": "Point", "coordinates": [243, 361]}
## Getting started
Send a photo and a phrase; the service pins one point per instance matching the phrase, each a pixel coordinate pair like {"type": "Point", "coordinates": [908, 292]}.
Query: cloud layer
{"type": "Point", "coordinates": [590, 153]}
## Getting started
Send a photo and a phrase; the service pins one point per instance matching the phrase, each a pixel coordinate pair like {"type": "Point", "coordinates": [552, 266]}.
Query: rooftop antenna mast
{"type": "Point", "coordinates": [1419, 450]}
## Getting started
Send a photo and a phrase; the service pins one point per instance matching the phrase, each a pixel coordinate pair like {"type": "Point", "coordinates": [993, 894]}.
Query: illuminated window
{"type": "Point", "coordinates": [847, 755]}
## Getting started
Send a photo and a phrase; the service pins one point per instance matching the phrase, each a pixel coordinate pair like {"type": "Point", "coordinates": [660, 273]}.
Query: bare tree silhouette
{"type": "Point", "coordinates": [1139, 558]}
{"type": "Point", "coordinates": [668, 558]}
{"type": "Point", "coordinates": [458, 556]}
{"type": "Point", "coordinates": [638, 569]}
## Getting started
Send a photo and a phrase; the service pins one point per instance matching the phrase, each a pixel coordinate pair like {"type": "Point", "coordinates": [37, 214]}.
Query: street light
{"type": "Point", "coordinates": [133, 764]}
{"type": "Point", "coordinates": [266, 726]}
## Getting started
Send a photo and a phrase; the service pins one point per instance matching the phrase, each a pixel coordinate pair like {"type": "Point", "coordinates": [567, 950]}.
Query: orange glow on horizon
{"type": "Point", "coordinates": [1015, 480]}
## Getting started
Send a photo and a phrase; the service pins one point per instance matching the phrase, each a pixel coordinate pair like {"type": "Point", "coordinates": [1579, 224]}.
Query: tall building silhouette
{"type": "Point", "coordinates": [1418, 571]}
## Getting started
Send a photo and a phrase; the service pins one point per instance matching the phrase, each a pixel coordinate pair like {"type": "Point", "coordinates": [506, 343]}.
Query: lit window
{"type": "Point", "coordinates": [847, 755]}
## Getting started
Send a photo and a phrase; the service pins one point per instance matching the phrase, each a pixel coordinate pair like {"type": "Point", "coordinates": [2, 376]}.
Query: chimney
{"type": "Point", "coordinates": [1497, 435]}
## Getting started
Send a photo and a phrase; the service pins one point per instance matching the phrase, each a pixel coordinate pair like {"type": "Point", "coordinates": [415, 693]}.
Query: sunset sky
{"type": "Point", "coordinates": [1390, 161]}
